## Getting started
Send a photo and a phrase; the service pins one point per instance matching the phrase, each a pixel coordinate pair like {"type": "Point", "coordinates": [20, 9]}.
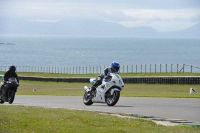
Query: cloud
{"type": "Point", "coordinates": [162, 19]}
{"type": "Point", "coordinates": [161, 15]}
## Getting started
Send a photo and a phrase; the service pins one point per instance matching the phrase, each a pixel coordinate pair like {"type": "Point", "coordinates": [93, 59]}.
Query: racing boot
{"type": "Point", "coordinates": [91, 93]}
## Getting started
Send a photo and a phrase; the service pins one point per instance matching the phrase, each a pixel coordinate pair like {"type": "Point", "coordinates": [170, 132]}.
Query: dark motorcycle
{"type": "Point", "coordinates": [8, 90]}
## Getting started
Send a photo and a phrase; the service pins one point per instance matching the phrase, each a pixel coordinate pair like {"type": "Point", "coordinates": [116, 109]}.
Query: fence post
{"type": "Point", "coordinates": [160, 68]}
{"type": "Point", "coordinates": [155, 68]}
{"type": "Point", "coordinates": [183, 68]}
{"type": "Point", "coordinates": [132, 68]}
{"type": "Point", "coordinates": [171, 68]}
{"type": "Point", "coordinates": [177, 68]}
{"type": "Point", "coordinates": [150, 68]}
{"type": "Point", "coordinates": [136, 68]}
{"type": "Point", "coordinates": [191, 68]}
{"type": "Point", "coordinates": [145, 68]}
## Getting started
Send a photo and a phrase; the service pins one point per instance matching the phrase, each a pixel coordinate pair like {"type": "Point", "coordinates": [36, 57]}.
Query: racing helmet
{"type": "Point", "coordinates": [12, 68]}
{"type": "Point", "coordinates": [115, 66]}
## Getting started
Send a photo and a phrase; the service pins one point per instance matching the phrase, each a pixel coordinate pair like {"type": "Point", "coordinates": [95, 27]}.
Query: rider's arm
{"type": "Point", "coordinates": [106, 71]}
{"type": "Point", "coordinates": [5, 77]}
{"type": "Point", "coordinates": [17, 78]}
{"type": "Point", "coordinates": [101, 76]}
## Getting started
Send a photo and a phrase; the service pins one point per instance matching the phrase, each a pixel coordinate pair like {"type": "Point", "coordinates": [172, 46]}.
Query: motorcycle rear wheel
{"type": "Point", "coordinates": [86, 100]}
{"type": "Point", "coordinates": [111, 100]}
{"type": "Point", "coordinates": [1, 101]}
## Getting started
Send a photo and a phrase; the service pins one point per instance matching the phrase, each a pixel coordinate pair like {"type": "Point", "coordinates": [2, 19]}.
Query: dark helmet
{"type": "Point", "coordinates": [115, 66]}
{"type": "Point", "coordinates": [12, 68]}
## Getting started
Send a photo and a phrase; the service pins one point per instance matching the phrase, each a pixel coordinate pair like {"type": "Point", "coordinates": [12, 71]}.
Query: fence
{"type": "Point", "coordinates": [146, 68]}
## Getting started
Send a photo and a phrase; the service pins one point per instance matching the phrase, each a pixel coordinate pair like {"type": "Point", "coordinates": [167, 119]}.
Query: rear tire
{"type": "Point", "coordinates": [1, 101]}
{"type": "Point", "coordinates": [86, 100]}
{"type": "Point", "coordinates": [111, 100]}
{"type": "Point", "coordinates": [11, 96]}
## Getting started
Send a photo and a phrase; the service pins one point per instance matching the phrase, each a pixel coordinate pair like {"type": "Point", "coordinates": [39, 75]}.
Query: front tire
{"type": "Point", "coordinates": [1, 100]}
{"type": "Point", "coordinates": [86, 100]}
{"type": "Point", "coordinates": [11, 96]}
{"type": "Point", "coordinates": [111, 100]}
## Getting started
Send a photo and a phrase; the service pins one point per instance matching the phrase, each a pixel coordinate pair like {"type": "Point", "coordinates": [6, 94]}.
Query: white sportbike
{"type": "Point", "coordinates": [108, 92]}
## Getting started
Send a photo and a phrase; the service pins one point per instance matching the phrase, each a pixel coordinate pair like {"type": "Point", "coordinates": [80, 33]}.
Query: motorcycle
{"type": "Point", "coordinates": [8, 91]}
{"type": "Point", "coordinates": [108, 92]}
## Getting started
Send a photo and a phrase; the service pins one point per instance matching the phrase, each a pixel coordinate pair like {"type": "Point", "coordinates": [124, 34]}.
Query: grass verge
{"type": "Point", "coordinates": [130, 90]}
{"type": "Point", "coordinates": [23, 119]}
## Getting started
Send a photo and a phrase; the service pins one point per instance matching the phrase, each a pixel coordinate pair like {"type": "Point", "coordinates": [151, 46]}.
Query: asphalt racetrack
{"type": "Point", "coordinates": [177, 110]}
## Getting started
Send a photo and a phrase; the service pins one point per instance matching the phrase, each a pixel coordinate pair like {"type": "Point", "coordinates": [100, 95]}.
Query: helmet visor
{"type": "Point", "coordinates": [116, 68]}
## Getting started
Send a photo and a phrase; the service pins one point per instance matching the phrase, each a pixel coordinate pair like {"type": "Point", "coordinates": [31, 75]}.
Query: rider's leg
{"type": "Point", "coordinates": [93, 88]}
{"type": "Point", "coordinates": [96, 84]}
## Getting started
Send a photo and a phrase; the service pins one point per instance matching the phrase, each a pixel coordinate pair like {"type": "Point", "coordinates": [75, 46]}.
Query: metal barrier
{"type": "Point", "coordinates": [145, 68]}
{"type": "Point", "coordinates": [134, 80]}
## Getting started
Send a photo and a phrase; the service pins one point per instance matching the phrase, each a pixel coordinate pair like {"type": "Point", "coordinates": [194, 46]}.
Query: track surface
{"type": "Point", "coordinates": [169, 108]}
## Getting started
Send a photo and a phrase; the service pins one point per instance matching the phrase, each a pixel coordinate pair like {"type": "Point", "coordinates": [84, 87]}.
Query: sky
{"type": "Point", "coordinates": [162, 15]}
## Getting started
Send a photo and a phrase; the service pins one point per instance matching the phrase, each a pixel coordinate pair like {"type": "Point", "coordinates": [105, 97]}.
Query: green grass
{"type": "Point", "coordinates": [130, 90]}
{"type": "Point", "coordinates": [20, 119]}
{"type": "Point", "coordinates": [36, 119]}
{"type": "Point", "coordinates": [94, 75]}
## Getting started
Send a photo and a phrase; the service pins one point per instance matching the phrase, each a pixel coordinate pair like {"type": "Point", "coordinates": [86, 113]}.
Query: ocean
{"type": "Point", "coordinates": [60, 51]}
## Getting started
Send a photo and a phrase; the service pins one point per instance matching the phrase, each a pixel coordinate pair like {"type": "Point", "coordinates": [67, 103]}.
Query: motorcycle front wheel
{"type": "Point", "coordinates": [87, 100]}
{"type": "Point", "coordinates": [1, 101]}
{"type": "Point", "coordinates": [11, 96]}
{"type": "Point", "coordinates": [111, 100]}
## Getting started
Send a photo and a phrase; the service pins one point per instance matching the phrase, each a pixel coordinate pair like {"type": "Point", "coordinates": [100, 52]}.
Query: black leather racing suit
{"type": "Point", "coordinates": [8, 75]}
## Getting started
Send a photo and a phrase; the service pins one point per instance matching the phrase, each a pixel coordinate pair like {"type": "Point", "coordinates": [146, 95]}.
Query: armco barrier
{"type": "Point", "coordinates": [135, 80]}
{"type": "Point", "coordinates": [54, 79]}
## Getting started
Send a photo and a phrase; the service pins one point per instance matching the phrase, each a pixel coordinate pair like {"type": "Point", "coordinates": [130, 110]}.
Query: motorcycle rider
{"type": "Point", "coordinates": [10, 73]}
{"type": "Point", "coordinates": [114, 68]}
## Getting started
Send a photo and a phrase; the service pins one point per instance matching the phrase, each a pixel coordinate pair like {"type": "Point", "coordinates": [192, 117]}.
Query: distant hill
{"type": "Point", "coordinates": [193, 31]}
{"type": "Point", "coordinates": [87, 28]}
